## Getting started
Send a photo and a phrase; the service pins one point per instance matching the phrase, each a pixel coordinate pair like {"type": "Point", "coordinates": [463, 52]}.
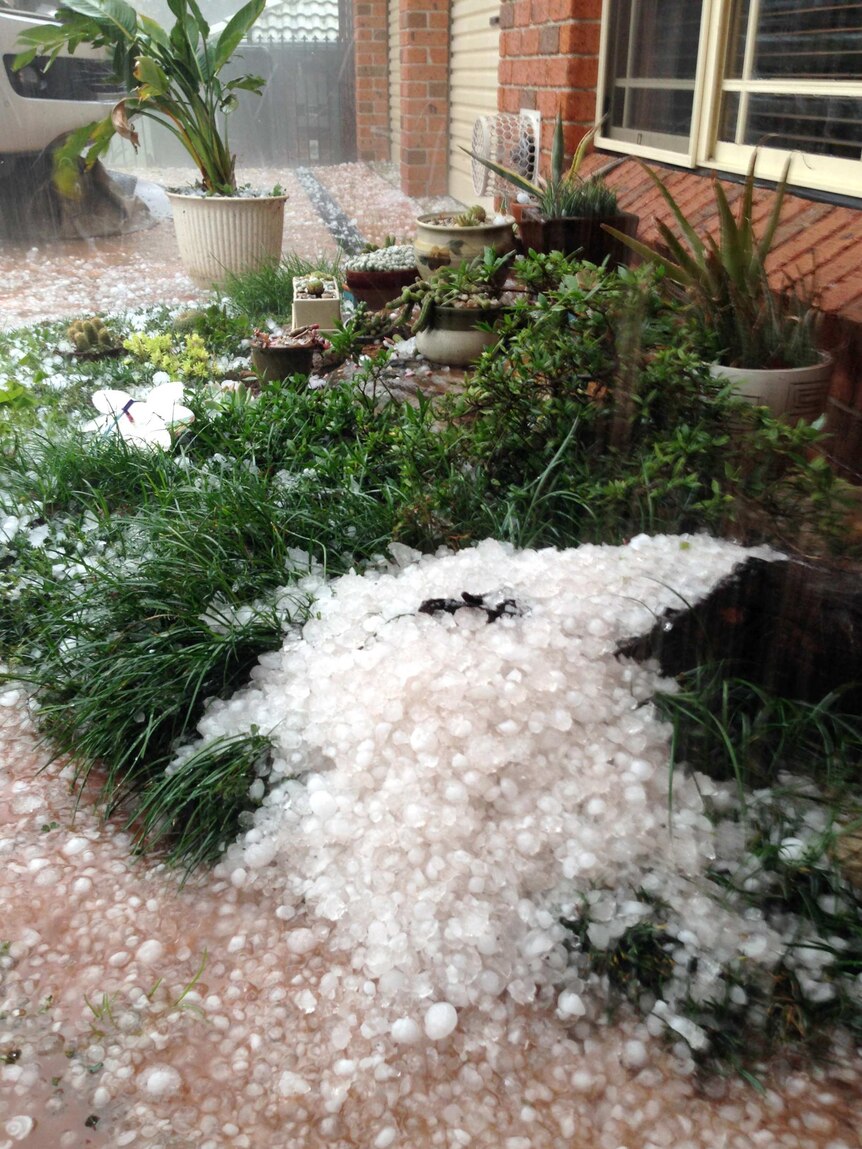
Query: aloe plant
{"type": "Point", "coordinates": [566, 192]}
{"type": "Point", "coordinates": [725, 283]}
{"type": "Point", "coordinates": [172, 77]}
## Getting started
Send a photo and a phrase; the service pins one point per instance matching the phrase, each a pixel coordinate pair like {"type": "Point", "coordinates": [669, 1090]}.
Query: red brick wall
{"type": "Point", "coordinates": [549, 60]}
{"type": "Point", "coordinates": [424, 150]}
{"type": "Point", "coordinates": [424, 33]}
{"type": "Point", "coordinates": [370, 30]}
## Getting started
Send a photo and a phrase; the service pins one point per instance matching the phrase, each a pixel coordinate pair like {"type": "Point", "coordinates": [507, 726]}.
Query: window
{"type": "Point", "coordinates": [705, 81]}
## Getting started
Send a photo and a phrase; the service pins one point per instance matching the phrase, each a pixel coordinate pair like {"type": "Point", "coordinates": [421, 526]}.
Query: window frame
{"type": "Point", "coordinates": [807, 169]}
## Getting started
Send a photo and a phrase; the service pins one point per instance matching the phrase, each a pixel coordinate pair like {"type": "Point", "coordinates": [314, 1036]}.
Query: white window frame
{"type": "Point", "coordinates": [807, 170]}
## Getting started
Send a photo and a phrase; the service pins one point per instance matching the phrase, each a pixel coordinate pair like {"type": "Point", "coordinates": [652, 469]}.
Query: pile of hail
{"type": "Point", "coordinates": [465, 770]}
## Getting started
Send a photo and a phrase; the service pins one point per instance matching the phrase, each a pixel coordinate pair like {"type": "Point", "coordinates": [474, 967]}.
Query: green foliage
{"type": "Point", "coordinates": [191, 361]}
{"type": "Point", "coordinates": [476, 284]}
{"type": "Point", "coordinates": [163, 576]}
{"type": "Point", "coordinates": [172, 77]}
{"type": "Point", "coordinates": [725, 284]}
{"type": "Point", "coordinates": [730, 728]}
{"type": "Point", "coordinates": [268, 292]}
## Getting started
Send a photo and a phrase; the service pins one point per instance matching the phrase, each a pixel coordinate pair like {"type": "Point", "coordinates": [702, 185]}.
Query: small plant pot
{"type": "Point", "coordinates": [791, 393]}
{"type": "Point", "coordinates": [454, 339]}
{"type": "Point", "coordinates": [439, 243]}
{"type": "Point", "coordinates": [377, 288]}
{"type": "Point", "coordinates": [582, 236]}
{"type": "Point", "coordinates": [273, 364]}
{"type": "Point", "coordinates": [321, 311]}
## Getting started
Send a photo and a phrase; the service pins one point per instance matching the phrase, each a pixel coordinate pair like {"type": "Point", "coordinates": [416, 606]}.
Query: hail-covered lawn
{"type": "Point", "coordinates": [469, 904]}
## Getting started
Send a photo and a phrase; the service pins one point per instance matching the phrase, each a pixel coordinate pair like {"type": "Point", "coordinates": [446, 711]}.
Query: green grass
{"type": "Point", "coordinates": [268, 293]}
{"type": "Point", "coordinates": [599, 423]}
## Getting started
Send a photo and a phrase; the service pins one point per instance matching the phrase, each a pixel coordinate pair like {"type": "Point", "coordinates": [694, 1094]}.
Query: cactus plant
{"type": "Point", "coordinates": [92, 337]}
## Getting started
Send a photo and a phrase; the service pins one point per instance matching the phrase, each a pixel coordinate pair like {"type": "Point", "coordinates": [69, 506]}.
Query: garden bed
{"type": "Point", "coordinates": [362, 658]}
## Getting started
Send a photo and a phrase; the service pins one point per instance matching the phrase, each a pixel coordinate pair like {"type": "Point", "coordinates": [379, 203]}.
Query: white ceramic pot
{"type": "Point", "coordinates": [789, 393]}
{"type": "Point", "coordinates": [453, 338]}
{"type": "Point", "coordinates": [220, 236]}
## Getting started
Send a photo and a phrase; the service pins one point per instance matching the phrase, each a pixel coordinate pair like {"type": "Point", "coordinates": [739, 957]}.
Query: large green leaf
{"type": "Point", "coordinates": [733, 239]}
{"type": "Point", "coordinates": [245, 84]}
{"type": "Point", "coordinates": [236, 30]}
{"type": "Point", "coordinates": [581, 150]}
{"type": "Point", "coordinates": [151, 30]}
{"type": "Point", "coordinates": [765, 244]}
{"type": "Point", "coordinates": [44, 39]}
{"type": "Point", "coordinates": [115, 17]}
{"type": "Point", "coordinates": [673, 270]}
{"type": "Point", "coordinates": [148, 73]}
{"type": "Point", "coordinates": [557, 151]}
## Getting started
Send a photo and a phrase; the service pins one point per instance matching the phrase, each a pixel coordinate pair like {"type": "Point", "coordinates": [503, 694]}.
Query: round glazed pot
{"type": "Point", "coordinates": [377, 288]}
{"type": "Point", "coordinates": [789, 392]}
{"type": "Point", "coordinates": [453, 337]}
{"type": "Point", "coordinates": [445, 245]}
{"type": "Point", "coordinates": [579, 235]}
{"type": "Point", "coordinates": [273, 364]}
{"type": "Point", "coordinates": [219, 236]}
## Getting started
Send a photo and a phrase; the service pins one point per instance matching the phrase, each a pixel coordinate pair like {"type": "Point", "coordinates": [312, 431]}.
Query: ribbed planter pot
{"type": "Point", "coordinates": [579, 235]}
{"type": "Point", "coordinates": [219, 236]}
{"type": "Point", "coordinates": [789, 393]}
{"type": "Point", "coordinates": [442, 244]}
{"type": "Point", "coordinates": [454, 339]}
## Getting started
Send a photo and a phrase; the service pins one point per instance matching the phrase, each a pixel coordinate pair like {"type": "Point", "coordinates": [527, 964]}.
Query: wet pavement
{"type": "Point", "coordinates": [52, 279]}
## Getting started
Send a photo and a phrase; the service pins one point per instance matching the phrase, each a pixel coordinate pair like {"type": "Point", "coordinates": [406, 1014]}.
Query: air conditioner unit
{"type": "Point", "coordinates": [509, 139]}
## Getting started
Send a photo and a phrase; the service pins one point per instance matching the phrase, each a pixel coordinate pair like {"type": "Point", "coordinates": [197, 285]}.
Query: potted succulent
{"type": "Point", "coordinates": [316, 302]}
{"type": "Point", "coordinates": [174, 78]}
{"type": "Point", "coordinates": [378, 275]}
{"type": "Point", "coordinates": [447, 239]}
{"type": "Point", "coordinates": [567, 210]}
{"type": "Point", "coordinates": [280, 354]}
{"type": "Point", "coordinates": [765, 341]}
{"type": "Point", "coordinates": [455, 309]}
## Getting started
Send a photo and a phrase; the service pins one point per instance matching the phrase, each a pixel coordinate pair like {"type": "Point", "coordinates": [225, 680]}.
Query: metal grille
{"type": "Point", "coordinates": [509, 140]}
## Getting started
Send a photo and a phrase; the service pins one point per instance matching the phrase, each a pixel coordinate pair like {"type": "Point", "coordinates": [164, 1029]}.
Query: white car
{"type": "Point", "coordinates": [37, 106]}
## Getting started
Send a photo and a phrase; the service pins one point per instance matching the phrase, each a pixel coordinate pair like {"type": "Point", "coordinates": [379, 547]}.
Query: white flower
{"type": "Point", "coordinates": [147, 422]}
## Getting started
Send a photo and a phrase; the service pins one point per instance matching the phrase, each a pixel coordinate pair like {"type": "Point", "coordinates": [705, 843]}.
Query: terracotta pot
{"type": "Point", "coordinates": [789, 392]}
{"type": "Point", "coordinates": [219, 236]}
{"type": "Point", "coordinates": [579, 235]}
{"type": "Point", "coordinates": [377, 288]}
{"type": "Point", "coordinates": [453, 337]}
{"type": "Point", "coordinates": [440, 244]}
{"type": "Point", "coordinates": [273, 364]}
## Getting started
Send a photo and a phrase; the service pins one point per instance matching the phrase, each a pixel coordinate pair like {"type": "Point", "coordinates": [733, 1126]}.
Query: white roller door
{"type": "Point", "coordinates": [473, 66]}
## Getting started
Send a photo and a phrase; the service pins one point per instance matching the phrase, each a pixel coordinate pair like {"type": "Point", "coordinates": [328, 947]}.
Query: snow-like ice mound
{"type": "Point", "coordinates": [447, 787]}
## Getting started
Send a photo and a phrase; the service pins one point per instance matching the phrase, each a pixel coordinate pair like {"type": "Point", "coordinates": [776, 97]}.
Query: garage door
{"type": "Point", "coordinates": [394, 83]}
{"type": "Point", "coordinates": [473, 64]}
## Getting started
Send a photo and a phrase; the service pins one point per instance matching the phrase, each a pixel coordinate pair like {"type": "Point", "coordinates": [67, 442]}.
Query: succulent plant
{"type": "Point", "coordinates": [472, 217]}
{"type": "Point", "coordinates": [473, 286]}
{"type": "Point", "coordinates": [91, 336]}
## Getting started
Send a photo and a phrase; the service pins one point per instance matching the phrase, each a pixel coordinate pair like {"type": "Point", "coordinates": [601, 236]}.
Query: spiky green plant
{"type": "Point", "coordinates": [565, 192]}
{"type": "Point", "coordinates": [725, 284]}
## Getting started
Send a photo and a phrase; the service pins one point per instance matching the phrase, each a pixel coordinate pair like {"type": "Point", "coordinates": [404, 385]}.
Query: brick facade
{"type": "Point", "coordinates": [423, 154]}
{"type": "Point", "coordinates": [549, 61]}
{"type": "Point", "coordinates": [371, 48]}
{"type": "Point", "coordinates": [423, 150]}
